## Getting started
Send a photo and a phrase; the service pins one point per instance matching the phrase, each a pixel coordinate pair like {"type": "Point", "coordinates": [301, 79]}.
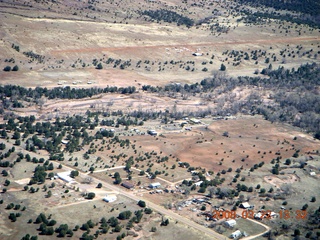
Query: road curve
{"type": "Point", "coordinates": [260, 234]}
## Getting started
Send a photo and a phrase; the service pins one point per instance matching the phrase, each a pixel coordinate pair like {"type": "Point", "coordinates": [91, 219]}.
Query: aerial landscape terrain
{"type": "Point", "coordinates": [153, 119]}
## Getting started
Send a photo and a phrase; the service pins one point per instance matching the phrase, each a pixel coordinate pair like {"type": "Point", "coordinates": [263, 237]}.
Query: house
{"type": "Point", "coordinates": [236, 234]}
{"type": "Point", "coordinates": [154, 185]}
{"type": "Point", "coordinates": [65, 176]}
{"type": "Point", "coordinates": [110, 198]}
{"type": "Point", "coordinates": [230, 223]}
{"type": "Point", "coordinates": [152, 132]}
{"type": "Point", "coordinates": [128, 185]}
{"type": "Point", "coordinates": [245, 205]}
{"type": "Point", "coordinates": [312, 173]}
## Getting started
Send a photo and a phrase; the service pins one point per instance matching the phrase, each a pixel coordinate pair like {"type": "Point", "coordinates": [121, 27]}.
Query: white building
{"type": "Point", "coordinates": [198, 183]}
{"type": "Point", "coordinates": [236, 234]}
{"type": "Point", "coordinates": [273, 214]}
{"type": "Point", "coordinates": [195, 121]}
{"type": "Point", "coordinates": [245, 205]}
{"type": "Point", "coordinates": [155, 185]}
{"type": "Point", "coordinates": [230, 223]}
{"type": "Point", "coordinates": [65, 176]}
{"type": "Point", "coordinates": [110, 198]}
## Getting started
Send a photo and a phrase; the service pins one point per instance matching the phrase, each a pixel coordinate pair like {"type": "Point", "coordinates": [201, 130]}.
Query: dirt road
{"type": "Point", "coordinates": [156, 207]}
{"type": "Point", "coordinates": [260, 234]}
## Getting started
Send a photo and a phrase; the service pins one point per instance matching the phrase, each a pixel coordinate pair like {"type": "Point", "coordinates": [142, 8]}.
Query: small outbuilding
{"type": "Point", "coordinates": [110, 198]}
{"type": "Point", "coordinates": [245, 205]}
{"type": "Point", "coordinates": [236, 234]}
{"type": "Point", "coordinates": [155, 185]}
{"type": "Point", "coordinates": [195, 121]}
{"type": "Point", "coordinates": [230, 223]}
{"type": "Point", "coordinates": [152, 133]}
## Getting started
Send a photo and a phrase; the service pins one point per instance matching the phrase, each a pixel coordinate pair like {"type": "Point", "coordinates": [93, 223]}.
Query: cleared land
{"type": "Point", "coordinates": [207, 153]}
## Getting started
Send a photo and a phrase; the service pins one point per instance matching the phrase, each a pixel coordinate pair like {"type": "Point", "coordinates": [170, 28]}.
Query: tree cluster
{"type": "Point", "coordinates": [168, 16]}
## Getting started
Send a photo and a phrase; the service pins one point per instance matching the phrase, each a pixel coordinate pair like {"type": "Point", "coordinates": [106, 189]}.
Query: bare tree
{"type": "Point", "coordinates": [41, 101]}
{"type": "Point", "coordinates": [286, 188]}
{"type": "Point", "coordinates": [110, 103]}
{"type": "Point", "coordinates": [212, 191]}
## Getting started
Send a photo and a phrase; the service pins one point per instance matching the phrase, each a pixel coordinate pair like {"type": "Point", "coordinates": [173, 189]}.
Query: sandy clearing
{"type": "Point", "coordinates": [23, 181]}
{"type": "Point", "coordinates": [277, 182]}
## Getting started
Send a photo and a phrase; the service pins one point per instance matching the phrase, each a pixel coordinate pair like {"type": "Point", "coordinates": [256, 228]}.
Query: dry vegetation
{"type": "Point", "coordinates": [211, 142]}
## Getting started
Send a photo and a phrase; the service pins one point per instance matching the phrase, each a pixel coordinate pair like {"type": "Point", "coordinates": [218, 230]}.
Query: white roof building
{"type": "Point", "coordinates": [236, 234]}
{"type": "Point", "coordinates": [245, 205]}
{"type": "Point", "coordinates": [230, 223]}
{"type": "Point", "coordinates": [110, 198]}
{"type": "Point", "coordinates": [65, 176]}
{"type": "Point", "coordinates": [195, 121]}
{"type": "Point", "coordinates": [273, 214]}
{"type": "Point", "coordinates": [155, 185]}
